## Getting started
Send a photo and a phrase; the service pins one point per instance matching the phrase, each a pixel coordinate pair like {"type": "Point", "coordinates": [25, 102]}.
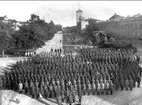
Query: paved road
{"type": "Point", "coordinates": [54, 43]}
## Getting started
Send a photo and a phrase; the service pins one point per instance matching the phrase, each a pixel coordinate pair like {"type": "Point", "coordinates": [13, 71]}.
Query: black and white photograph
{"type": "Point", "coordinates": [70, 52]}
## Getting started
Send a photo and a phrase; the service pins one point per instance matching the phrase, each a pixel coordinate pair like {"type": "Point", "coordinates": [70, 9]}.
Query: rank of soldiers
{"type": "Point", "coordinates": [94, 71]}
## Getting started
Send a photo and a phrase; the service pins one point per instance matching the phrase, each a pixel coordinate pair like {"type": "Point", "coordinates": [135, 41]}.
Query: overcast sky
{"type": "Point", "coordinates": [64, 12]}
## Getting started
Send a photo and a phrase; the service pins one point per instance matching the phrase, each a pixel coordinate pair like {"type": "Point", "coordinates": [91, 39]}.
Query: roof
{"type": "Point", "coordinates": [12, 20]}
{"type": "Point", "coordinates": [2, 18]}
{"type": "Point", "coordinates": [91, 19]}
{"type": "Point", "coordinates": [79, 10]}
{"type": "Point", "coordinates": [116, 17]}
{"type": "Point", "coordinates": [99, 33]}
{"type": "Point", "coordinates": [118, 44]}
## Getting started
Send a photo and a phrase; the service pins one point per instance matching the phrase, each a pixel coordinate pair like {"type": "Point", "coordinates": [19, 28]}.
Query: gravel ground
{"type": "Point", "coordinates": [118, 98]}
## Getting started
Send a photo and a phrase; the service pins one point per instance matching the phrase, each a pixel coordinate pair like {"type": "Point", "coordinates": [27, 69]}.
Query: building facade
{"type": "Point", "coordinates": [80, 21]}
{"type": "Point", "coordinates": [79, 16]}
{"type": "Point", "coordinates": [123, 26]}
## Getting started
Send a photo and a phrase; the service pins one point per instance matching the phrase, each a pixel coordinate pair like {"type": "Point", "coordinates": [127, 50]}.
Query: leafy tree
{"type": "Point", "coordinates": [34, 34]}
{"type": "Point", "coordinates": [4, 42]}
{"type": "Point", "coordinates": [72, 29]}
{"type": "Point", "coordinates": [29, 36]}
{"type": "Point", "coordinates": [58, 27]}
{"type": "Point", "coordinates": [89, 31]}
{"type": "Point", "coordinates": [34, 18]}
{"type": "Point", "coordinates": [6, 29]}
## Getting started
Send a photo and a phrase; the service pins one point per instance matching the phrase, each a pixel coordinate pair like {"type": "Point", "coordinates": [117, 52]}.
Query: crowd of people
{"type": "Point", "coordinates": [93, 71]}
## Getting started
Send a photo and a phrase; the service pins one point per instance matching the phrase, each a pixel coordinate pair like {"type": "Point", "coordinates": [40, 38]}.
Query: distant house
{"type": "Point", "coordinates": [100, 37]}
{"type": "Point", "coordinates": [4, 19]}
{"type": "Point", "coordinates": [15, 24]}
{"type": "Point", "coordinates": [115, 17]}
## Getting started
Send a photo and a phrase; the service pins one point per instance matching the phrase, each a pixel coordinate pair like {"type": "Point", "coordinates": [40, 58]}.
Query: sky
{"type": "Point", "coordinates": [64, 12]}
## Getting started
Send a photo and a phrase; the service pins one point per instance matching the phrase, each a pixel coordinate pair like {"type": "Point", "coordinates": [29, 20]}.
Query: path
{"type": "Point", "coordinates": [54, 43]}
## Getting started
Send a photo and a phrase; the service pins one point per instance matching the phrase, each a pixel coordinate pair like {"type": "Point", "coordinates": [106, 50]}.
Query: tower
{"type": "Point", "coordinates": [79, 14]}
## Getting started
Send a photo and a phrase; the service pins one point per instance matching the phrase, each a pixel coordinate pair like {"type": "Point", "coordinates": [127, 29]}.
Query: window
{"type": "Point", "coordinates": [135, 26]}
{"type": "Point", "coordinates": [136, 33]}
{"type": "Point", "coordinates": [140, 25]}
{"type": "Point", "coordinates": [122, 26]}
{"type": "Point", "coordinates": [131, 26]}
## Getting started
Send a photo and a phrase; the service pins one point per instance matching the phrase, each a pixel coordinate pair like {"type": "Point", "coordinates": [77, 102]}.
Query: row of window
{"type": "Point", "coordinates": [125, 26]}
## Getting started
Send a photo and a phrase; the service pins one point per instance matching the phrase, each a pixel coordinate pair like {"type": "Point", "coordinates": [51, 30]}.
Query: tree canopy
{"type": "Point", "coordinates": [31, 34]}
{"type": "Point", "coordinates": [88, 34]}
{"type": "Point", "coordinates": [35, 33]}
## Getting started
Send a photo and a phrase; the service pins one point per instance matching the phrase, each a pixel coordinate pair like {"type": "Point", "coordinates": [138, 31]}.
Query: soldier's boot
{"type": "Point", "coordinates": [37, 96]}
{"type": "Point", "coordinates": [33, 96]}
{"type": "Point", "coordinates": [62, 99]}
{"type": "Point", "coordinates": [89, 93]}
{"type": "Point", "coordinates": [73, 100]}
{"type": "Point", "coordinates": [79, 100]}
{"type": "Point", "coordinates": [111, 92]}
{"type": "Point", "coordinates": [102, 92]}
{"type": "Point", "coordinates": [138, 84]}
{"type": "Point", "coordinates": [93, 92]}
{"type": "Point", "coordinates": [106, 92]}
{"type": "Point", "coordinates": [131, 88]}
{"type": "Point", "coordinates": [116, 88]}
{"type": "Point", "coordinates": [98, 93]}
{"type": "Point", "coordinates": [134, 84]}
{"type": "Point", "coordinates": [121, 87]}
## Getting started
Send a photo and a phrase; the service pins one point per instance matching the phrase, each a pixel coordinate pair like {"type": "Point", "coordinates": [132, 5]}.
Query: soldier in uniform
{"type": "Point", "coordinates": [138, 80]}
{"type": "Point", "coordinates": [89, 88]}
{"type": "Point", "coordinates": [126, 83]}
{"type": "Point", "coordinates": [131, 83]}
{"type": "Point", "coordinates": [107, 87]}
{"type": "Point", "coordinates": [94, 87]}
{"type": "Point", "coordinates": [20, 87]}
{"type": "Point", "coordinates": [1, 83]}
{"type": "Point", "coordinates": [37, 92]}
{"type": "Point", "coordinates": [31, 85]}
{"type": "Point", "coordinates": [70, 97]}
{"type": "Point", "coordinates": [116, 83]}
{"type": "Point", "coordinates": [58, 96]}
{"type": "Point", "coordinates": [67, 95]}
{"type": "Point", "coordinates": [79, 91]}
{"type": "Point", "coordinates": [98, 88]}
{"type": "Point", "coordinates": [111, 87]}
{"type": "Point", "coordinates": [122, 83]}
{"type": "Point", "coordinates": [51, 90]}
{"type": "Point", "coordinates": [103, 87]}
{"type": "Point", "coordinates": [62, 89]}
{"type": "Point", "coordinates": [34, 93]}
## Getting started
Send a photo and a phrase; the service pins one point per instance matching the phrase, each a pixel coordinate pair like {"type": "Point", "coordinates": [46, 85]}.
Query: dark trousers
{"type": "Point", "coordinates": [131, 88]}
{"type": "Point", "coordinates": [111, 91]}
{"type": "Point", "coordinates": [138, 84]}
{"type": "Point", "coordinates": [122, 87]}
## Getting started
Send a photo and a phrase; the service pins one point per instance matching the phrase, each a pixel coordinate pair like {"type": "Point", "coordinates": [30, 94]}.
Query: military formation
{"type": "Point", "coordinates": [93, 71]}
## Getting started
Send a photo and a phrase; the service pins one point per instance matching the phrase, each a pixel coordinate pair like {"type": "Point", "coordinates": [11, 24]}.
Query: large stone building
{"type": "Point", "coordinates": [118, 25]}
{"type": "Point", "coordinates": [122, 26]}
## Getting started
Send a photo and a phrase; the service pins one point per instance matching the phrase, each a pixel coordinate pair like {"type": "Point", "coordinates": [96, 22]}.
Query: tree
{"type": "Point", "coordinates": [29, 36]}
{"type": "Point", "coordinates": [72, 29]}
{"type": "Point", "coordinates": [4, 42]}
{"type": "Point", "coordinates": [34, 18]}
{"type": "Point", "coordinates": [34, 34]}
{"type": "Point", "coordinates": [58, 27]}
{"type": "Point", "coordinates": [6, 29]}
{"type": "Point", "coordinates": [89, 31]}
